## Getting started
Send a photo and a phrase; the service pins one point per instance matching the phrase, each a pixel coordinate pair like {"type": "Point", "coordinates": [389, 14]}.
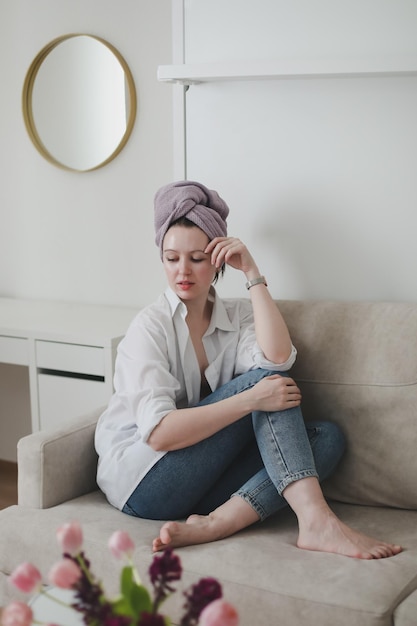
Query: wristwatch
{"type": "Point", "coordinates": [256, 281]}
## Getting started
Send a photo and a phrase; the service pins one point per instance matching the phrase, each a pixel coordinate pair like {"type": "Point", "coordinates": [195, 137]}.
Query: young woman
{"type": "Point", "coordinates": [205, 422]}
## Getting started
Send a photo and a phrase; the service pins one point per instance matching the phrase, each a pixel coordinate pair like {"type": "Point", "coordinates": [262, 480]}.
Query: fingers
{"type": "Point", "coordinates": [293, 395]}
{"type": "Point", "coordinates": [220, 247]}
{"type": "Point", "coordinates": [215, 242]}
{"type": "Point", "coordinates": [229, 250]}
{"type": "Point", "coordinates": [283, 391]}
{"type": "Point", "coordinates": [289, 392]}
{"type": "Point", "coordinates": [286, 382]}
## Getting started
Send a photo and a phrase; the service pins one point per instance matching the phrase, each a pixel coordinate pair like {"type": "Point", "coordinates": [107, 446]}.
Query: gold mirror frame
{"type": "Point", "coordinates": [28, 109]}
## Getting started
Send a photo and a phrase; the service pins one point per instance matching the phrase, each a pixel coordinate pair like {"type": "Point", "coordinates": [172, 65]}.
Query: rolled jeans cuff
{"type": "Point", "coordinates": [264, 498]}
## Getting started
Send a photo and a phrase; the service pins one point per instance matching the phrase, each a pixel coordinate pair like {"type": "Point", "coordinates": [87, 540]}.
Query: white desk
{"type": "Point", "coordinates": [70, 351]}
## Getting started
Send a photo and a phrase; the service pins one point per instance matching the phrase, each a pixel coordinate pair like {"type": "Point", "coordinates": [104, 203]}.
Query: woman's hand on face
{"type": "Point", "coordinates": [231, 251]}
{"type": "Point", "coordinates": [275, 393]}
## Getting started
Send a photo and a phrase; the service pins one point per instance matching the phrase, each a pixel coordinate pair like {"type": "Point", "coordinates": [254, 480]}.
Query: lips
{"type": "Point", "coordinates": [185, 284]}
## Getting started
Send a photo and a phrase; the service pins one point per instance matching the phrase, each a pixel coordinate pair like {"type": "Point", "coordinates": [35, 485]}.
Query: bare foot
{"type": "Point", "coordinates": [197, 529]}
{"type": "Point", "coordinates": [224, 521]}
{"type": "Point", "coordinates": [331, 535]}
{"type": "Point", "coordinates": [321, 530]}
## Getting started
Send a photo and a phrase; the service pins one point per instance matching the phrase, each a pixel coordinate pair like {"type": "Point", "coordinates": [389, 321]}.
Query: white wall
{"type": "Point", "coordinates": [79, 236]}
{"type": "Point", "coordinates": [84, 236]}
{"type": "Point", "coordinates": [320, 174]}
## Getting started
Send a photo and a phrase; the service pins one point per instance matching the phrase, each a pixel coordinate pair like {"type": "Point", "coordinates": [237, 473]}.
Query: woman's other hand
{"type": "Point", "coordinates": [231, 251]}
{"type": "Point", "coordinates": [275, 393]}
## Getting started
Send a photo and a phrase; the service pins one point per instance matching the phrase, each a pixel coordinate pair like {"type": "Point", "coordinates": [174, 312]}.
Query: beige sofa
{"type": "Point", "coordinates": [357, 365]}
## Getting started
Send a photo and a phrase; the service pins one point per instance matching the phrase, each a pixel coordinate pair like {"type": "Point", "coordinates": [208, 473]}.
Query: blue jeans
{"type": "Point", "coordinates": [254, 458]}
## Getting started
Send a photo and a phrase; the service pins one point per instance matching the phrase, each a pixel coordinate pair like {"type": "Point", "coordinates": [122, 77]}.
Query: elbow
{"type": "Point", "coordinates": [166, 436]}
{"type": "Point", "coordinates": [286, 357]}
{"type": "Point", "coordinates": [159, 440]}
{"type": "Point", "coordinates": [158, 437]}
{"type": "Point", "coordinates": [156, 442]}
{"type": "Point", "coordinates": [281, 357]}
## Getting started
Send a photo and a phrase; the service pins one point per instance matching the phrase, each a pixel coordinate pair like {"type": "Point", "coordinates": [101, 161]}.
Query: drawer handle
{"type": "Point", "coordinates": [50, 372]}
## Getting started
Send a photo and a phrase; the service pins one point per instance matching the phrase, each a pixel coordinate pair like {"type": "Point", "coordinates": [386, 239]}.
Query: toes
{"type": "Point", "coordinates": [385, 550]}
{"type": "Point", "coordinates": [380, 552]}
{"type": "Point", "coordinates": [365, 556]}
{"type": "Point", "coordinates": [167, 532]}
{"type": "Point", "coordinates": [156, 544]}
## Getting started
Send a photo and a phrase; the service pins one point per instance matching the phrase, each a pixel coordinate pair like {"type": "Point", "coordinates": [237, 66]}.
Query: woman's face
{"type": "Point", "coordinates": [188, 268]}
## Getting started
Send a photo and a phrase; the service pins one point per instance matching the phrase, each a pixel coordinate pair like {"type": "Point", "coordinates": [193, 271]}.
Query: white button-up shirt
{"type": "Point", "coordinates": [157, 372]}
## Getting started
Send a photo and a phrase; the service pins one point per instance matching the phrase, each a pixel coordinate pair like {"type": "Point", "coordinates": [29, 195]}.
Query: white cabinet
{"type": "Point", "coordinates": [70, 350]}
{"type": "Point", "coordinates": [14, 350]}
{"type": "Point", "coordinates": [66, 357]}
{"type": "Point", "coordinates": [71, 381]}
{"type": "Point", "coordinates": [62, 398]}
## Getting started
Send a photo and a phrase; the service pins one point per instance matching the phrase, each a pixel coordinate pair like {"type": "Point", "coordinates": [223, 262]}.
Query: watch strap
{"type": "Point", "coordinates": [256, 281]}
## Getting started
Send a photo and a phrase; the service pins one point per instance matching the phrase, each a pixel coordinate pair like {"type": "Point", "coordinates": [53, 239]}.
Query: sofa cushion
{"type": "Point", "coordinates": [261, 570]}
{"type": "Point", "coordinates": [357, 366]}
{"type": "Point", "coordinates": [406, 612]}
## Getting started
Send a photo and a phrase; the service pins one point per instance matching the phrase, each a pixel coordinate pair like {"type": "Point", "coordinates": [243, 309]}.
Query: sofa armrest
{"type": "Point", "coordinates": [58, 465]}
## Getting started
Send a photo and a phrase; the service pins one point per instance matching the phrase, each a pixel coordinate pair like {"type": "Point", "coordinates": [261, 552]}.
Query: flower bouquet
{"type": "Point", "coordinates": [134, 606]}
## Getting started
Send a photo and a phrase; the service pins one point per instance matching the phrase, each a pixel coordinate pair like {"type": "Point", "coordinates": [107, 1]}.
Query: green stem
{"type": "Point", "coordinates": [57, 600]}
{"type": "Point", "coordinates": [134, 572]}
{"type": "Point", "coordinates": [35, 621]}
{"type": "Point", "coordinates": [85, 569]}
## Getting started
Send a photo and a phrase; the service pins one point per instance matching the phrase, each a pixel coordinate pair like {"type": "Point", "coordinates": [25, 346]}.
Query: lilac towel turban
{"type": "Point", "coordinates": [194, 201]}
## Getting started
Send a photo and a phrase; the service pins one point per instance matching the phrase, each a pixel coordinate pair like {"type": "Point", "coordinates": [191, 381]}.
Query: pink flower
{"type": "Point", "coordinates": [26, 577]}
{"type": "Point", "coordinates": [70, 538]}
{"type": "Point", "coordinates": [219, 613]}
{"type": "Point", "coordinates": [17, 614]}
{"type": "Point", "coordinates": [120, 544]}
{"type": "Point", "coordinates": [64, 574]}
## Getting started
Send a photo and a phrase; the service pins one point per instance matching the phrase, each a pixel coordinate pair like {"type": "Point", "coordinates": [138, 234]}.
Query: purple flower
{"type": "Point", "coordinates": [152, 619]}
{"type": "Point", "coordinates": [164, 570]}
{"type": "Point", "coordinates": [198, 597]}
{"type": "Point", "coordinates": [116, 620]}
{"type": "Point", "coordinates": [166, 567]}
{"type": "Point", "coordinates": [134, 606]}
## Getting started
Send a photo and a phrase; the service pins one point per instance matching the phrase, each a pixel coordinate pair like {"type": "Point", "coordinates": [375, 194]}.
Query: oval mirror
{"type": "Point", "coordinates": [79, 102]}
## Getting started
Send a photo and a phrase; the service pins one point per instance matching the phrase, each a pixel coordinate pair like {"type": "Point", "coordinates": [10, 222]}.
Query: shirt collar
{"type": "Point", "coordinates": [219, 317]}
{"type": "Point", "coordinates": [174, 302]}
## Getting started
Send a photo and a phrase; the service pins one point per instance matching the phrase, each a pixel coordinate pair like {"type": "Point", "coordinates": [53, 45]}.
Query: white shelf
{"type": "Point", "coordinates": [191, 74]}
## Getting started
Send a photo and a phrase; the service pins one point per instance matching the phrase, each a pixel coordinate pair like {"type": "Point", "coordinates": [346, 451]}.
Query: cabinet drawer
{"type": "Point", "coordinates": [14, 350]}
{"type": "Point", "coordinates": [66, 357]}
{"type": "Point", "coordinates": [63, 399]}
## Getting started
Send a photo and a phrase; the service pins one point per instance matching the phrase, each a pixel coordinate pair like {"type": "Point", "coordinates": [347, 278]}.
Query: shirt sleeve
{"type": "Point", "coordinates": [143, 383]}
{"type": "Point", "coordinates": [249, 354]}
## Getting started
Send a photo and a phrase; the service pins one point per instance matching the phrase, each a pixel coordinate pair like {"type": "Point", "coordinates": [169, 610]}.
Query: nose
{"type": "Point", "coordinates": [184, 266]}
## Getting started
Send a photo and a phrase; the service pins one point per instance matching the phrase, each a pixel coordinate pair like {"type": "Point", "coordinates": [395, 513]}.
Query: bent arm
{"type": "Point", "coordinates": [271, 330]}
{"type": "Point", "coordinates": [151, 398]}
{"type": "Point", "coordinates": [184, 427]}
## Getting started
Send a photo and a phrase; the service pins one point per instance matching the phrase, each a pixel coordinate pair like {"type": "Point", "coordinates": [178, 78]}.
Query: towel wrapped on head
{"type": "Point", "coordinates": [194, 201]}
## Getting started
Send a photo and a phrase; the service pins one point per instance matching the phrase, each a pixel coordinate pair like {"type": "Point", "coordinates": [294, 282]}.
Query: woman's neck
{"type": "Point", "coordinates": [199, 314]}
